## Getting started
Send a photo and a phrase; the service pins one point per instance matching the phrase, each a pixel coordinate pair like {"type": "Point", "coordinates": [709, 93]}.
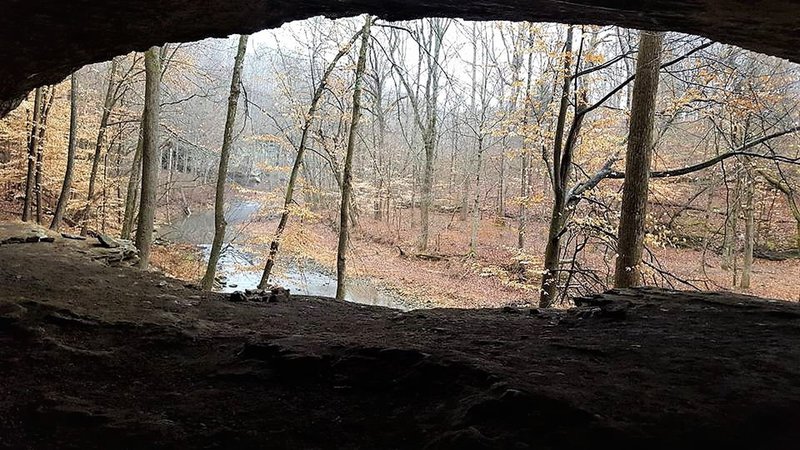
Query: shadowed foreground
{"type": "Point", "coordinates": [93, 356]}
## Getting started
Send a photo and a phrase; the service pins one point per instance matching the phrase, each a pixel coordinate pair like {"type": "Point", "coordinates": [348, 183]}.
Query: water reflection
{"type": "Point", "coordinates": [242, 271]}
{"type": "Point", "coordinates": [198, 228]}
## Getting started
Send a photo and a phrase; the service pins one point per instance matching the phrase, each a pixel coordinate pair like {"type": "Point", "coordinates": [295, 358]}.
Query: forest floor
{"type": "Point", "coordinates": [93, 356]}
{"type": "Point", "coordinates": [455, 279]}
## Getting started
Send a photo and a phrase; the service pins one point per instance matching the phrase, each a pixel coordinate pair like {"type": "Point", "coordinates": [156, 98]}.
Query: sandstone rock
{"type": "Point", "coordinates": [74, 237]}
{"type": "Point", "coordinates": [107, 241]}
{"type": "Point", "coordinates": [10, 313]}
{"type": "Point", "coordinates": [124, 254]}
{"type": "Point", "coordinates": [20, 235]}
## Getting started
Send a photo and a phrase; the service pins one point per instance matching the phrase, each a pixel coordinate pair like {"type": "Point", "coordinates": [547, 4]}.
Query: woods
{"type": "Point", "coordinates": [516, 161]}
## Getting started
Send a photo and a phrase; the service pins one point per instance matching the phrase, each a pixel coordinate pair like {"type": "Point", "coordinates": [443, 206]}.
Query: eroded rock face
{"type": "Point", "coordinates": [42, 41]}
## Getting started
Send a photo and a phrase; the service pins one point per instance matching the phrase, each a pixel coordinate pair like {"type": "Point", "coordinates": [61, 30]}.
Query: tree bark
{"type": "Point", "coordinates": [108, 105]}
{"type": "Point", "coordinates": [132, 193]}
{"type": "Point", "coordinates": [630, 244]}
{"type": "Point", "coordinates": [219, 203]}
{"type": "Point", "coordinates": [729, 240]}
{"type": "Point", "coordinates": [40, 153]}
{"type": "Point", "coordinates": [426, 193]}
{"type": "Point", "coordinates": [66, 186]}
{"type": "Point", "coordinates": [749, 234]}
{"type": "Point", "coordinates": [150, 158]}
{"type": "Point", "coordinates": [347, 176]}
{"type": "Point", "coordinates": [33, 145]}
{"type": "Point", "coordinates": [476, 205]}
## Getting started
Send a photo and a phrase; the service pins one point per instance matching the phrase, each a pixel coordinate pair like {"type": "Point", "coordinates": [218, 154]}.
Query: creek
{"type": "Point", "coordinates": [240, 270]}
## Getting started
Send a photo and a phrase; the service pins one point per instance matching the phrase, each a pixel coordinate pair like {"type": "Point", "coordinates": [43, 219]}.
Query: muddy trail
{"type": "Point", "coordinates": [93, 356]}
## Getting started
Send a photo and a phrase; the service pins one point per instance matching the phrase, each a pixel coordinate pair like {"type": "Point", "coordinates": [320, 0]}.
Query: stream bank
{"type": "Point", "coordinates": [239, 269]}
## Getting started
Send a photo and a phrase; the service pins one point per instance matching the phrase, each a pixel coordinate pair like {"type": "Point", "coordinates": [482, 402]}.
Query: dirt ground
{"type": "Point", "coordinates": [457, 281]}
{"type": "Point", "coordinates": [93, 356]}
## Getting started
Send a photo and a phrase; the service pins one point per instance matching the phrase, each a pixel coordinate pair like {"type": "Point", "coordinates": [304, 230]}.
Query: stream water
{"type": "Point", "coordinates": [243, 271]}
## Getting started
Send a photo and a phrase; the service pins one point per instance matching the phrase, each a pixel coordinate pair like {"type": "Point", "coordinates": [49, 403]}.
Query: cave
{"type": "Point", "coordinates": [109, 357]}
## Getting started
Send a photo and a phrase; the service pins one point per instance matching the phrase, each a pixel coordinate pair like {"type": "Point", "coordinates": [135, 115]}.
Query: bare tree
{"type": "Point", "coordinates": [132, 193]}
{"type": "Point", "coordinates": [33, 145]}
{"type": "Point", "coordinates": [150, 155]}
{"type": "Point", "coordinates": [749, 230]}
{"type": "Point", "coordinates": [524, 190]}
{"type": "Point", "coordinates": [40, 152]}
{"type": "Point", "coordinates": [108, 105]}
{"type": "Point", "coordinates": [222, 175]}
{"type": "Point", "coordinates": [561, 169]}
{"type": "Point", "coordinates": [298, 160]}
{"type": "Point", "coordinates": [66, 186]}
{"type": "Point", "coordinates": [637, 163]}
{"type": "Point", "coordinates": [425, 110]}
{"type": "Point", "coordinates": [347, 175]}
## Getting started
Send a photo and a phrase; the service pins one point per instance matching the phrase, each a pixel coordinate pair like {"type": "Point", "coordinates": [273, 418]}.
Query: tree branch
{"type": "Point", "coordinates": [741, 151]}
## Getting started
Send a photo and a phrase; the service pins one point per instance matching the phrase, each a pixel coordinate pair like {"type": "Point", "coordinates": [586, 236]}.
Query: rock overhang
{"type": "Point", "coordinates": [42, 41]}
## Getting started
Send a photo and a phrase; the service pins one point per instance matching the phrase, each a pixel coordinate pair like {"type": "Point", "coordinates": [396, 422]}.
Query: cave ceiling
{"type": "Point", "coordinates": [43, 41]}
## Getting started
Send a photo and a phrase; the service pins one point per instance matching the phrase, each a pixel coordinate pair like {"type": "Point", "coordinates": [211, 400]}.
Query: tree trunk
{"type": "Point", "coordinates": [132, 193]}
{"type": "Point", "coordinates": [429, 129]}
{"type": "Point", "coordinates": [550, 274]}
{"type": "Point", "coordinates": [522, 222]}
{"type": "Point", "coordinates": [219, 203]}
{"type": "Point", "coordinates": [465, 187]}
{"type": "Point", "coordinates": [40, 153]}
{"type": "Point", "coordinates": [501, 184]}
{"type": "Point", "coordinates": [347, 176]}
{"type": "Point", "coordinates": [108, 105]}
{"type": "Point", "coordinates": [476, 205]}
{"type": "Point", "coordinates": [170, 180]}
{"type": "Point", "coordinates": [637, 165]}
{"type": "Point", "coordinates": [749, 234]}
{"type": "Point", "coordinates": [426, 193]}
{"type": "Point", "coordinates": [33, 145]}
{"type": "Point", "coordinates": [729, 243]}
{"type": "Point", "coordinates": [104, 206]}
{"type": "Point", "coordinates": [707, 228]}
{"type": "Point", "coordinates": [150, 159]}
{"type": "Point", "coordinates": [524, 185]}
{"type": "Point", "coordinates": [66, 186]}
{"type": "Point", "coordinates": [796, 213]}
{"type": "Point", "coordinates": [298, 163]}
